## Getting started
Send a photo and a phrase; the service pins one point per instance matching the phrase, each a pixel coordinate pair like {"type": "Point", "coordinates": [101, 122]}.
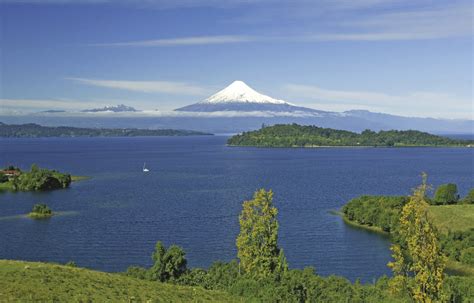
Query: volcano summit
{"type": "Point", "coordinates": [240, 97]}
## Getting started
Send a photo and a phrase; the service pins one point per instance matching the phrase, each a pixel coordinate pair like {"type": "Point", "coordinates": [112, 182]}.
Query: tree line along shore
{"type": "Point", "coordinates": [32, 130]}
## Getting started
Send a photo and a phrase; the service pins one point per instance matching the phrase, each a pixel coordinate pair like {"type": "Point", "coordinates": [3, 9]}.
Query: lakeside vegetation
{"type": "Point", "coordinates": [40, 211]}
{"type": "Point", "coordinates": [451, 216]}
{"type": "Point", "coordinates": [261, 272]}
{"type": "Point", "coordinates": [32, 130]}
{"type": "Point", "coordinates": [37, 179]}
{"type": "Point", "coordinates": [294, 135]}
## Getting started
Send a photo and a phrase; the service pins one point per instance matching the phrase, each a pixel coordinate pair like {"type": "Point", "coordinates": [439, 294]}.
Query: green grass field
{"type": "Point", "coordinates": [44, 282]}
{"type": "Point", "coordinates": [458, 217]}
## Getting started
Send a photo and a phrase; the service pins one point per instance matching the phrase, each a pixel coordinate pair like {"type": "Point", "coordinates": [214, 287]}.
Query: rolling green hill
{"type": "Point", "coordinates": [45, 282]}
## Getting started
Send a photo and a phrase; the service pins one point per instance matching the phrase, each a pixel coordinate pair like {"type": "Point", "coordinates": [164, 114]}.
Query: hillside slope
{"type": "Point", "coordinates": [44, 282]}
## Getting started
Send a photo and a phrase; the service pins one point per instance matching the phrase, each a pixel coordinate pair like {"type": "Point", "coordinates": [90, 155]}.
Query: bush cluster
{"type": "Point", "coordinates": [38, 179]}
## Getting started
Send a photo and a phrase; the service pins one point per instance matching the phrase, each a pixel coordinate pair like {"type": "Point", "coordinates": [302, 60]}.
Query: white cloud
{"type": "Point", "coordinates": [11, 105]}
{"type": "Point", "coordinates": [199, 40]}
{"type": "Point", "coordinates": [167, 87]}
{"type": "Point", "coordinates": [421, 104]}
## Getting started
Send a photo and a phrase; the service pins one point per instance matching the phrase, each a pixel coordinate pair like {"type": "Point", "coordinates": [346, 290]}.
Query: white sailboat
{"type": "Point", "coordinates": [144, 168]}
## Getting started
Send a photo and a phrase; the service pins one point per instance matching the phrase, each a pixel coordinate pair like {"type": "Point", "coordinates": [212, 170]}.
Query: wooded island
{"type": "Point", "coordinates": [294, 135]}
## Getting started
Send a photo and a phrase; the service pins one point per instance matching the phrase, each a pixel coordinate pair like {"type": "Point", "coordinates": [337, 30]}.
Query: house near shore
{"type": "Point", "coordinates": [10, 172]}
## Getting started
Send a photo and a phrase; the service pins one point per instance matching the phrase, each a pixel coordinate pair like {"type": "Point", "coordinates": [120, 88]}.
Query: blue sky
{"type": "Point", "coordinates": [412, 58]}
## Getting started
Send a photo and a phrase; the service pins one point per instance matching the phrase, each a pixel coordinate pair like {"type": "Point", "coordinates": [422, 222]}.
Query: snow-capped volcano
{"type": "Point", "coordinates": [240, 97]}
{"type": "Point", "coordinates": [238, 91]}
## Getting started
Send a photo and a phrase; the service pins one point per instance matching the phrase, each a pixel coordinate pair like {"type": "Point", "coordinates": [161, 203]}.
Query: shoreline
{"type": "Point", "coordinates": [355, 146]}
{"type": "Point", "coordinates": [453, 268]}
{"type": "Point", "coordinates": [373, 229]}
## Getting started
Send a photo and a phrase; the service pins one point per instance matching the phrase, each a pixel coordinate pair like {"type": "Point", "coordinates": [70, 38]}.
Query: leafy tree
{"type": "Point", "coordinates": [420, 254]}
{"type": "Point", "coordinates": [446, 194]}
{"type": "Point", "coordinates": [257, 242]}
{"type": "Point", "coordinates": [168, 263]}
{"type": "Point", "coordinates": [469, 199]}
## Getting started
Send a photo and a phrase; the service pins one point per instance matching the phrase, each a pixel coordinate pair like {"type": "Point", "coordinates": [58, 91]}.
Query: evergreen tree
{"type": "Point", "coordinates": [419, 254]}
{"type": "Point", "coordinates": [257, 245]}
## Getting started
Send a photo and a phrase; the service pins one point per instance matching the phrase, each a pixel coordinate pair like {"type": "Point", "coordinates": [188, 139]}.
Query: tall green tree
{"type": "Point", "coordinates": [257, 242]}
{"type": "Point", "coordinates": [418, 254]}
{"type": "Point", "coordinates": [168, 263]}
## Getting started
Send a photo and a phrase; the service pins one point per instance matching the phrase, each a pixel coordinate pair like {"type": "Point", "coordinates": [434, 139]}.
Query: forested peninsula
{"type": "Point", "coordinates": [451, 216]}
{"type": "Point", "coordinates": [294, 135]}
{"type": "Point", "coordinates": [32, 130]}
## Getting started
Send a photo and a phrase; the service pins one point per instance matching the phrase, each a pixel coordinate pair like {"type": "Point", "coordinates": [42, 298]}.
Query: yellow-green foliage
{"type": "Point", "coordinates": [458, 217]}
{"type": "Point", "coordinates": [43, 282]}
{"type": "Point", "coordinates": [427, 262]}
{"type": "Point", "coordinates": [257, 242]}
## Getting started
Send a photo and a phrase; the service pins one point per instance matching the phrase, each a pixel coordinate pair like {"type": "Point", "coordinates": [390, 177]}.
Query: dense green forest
{"type": "Point", "coordinates": [451, 215]}
{"type": "Point", "coordinates": [37, 179]}
{"type": "Point", "coordinates": [294, 135]}
{"type": "Point", "coordinates": [32, 130]}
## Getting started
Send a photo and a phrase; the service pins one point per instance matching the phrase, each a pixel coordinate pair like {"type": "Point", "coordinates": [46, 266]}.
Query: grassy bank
{"type": "Point", "coordinates": [458, 217]}
{"type": "Point", "coordinates": [44, 282]}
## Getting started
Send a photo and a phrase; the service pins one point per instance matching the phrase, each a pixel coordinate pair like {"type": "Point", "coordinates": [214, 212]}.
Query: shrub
{"type": "Point", "coordinates": [3, 178]}
{"type": "Point", "coordinates": [467, 256]}
{"type": "Point", "coordinates": [169, 263]}
{"type": "Point", "coordinates": [446, 194]}
{"type": "Point", "coordinates": [137, 272]}
{"type": "Point", "coordinates": [469, 199]}
{"type": "Point", "coordinates": [41, 209]}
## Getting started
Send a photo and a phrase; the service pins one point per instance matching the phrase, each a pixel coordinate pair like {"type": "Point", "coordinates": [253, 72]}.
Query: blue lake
{"type": "Point", "coordinates": [193, 194]}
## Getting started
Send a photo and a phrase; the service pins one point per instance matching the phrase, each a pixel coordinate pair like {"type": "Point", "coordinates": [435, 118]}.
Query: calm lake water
{"type": "Point", "coordinates": [193, 194]}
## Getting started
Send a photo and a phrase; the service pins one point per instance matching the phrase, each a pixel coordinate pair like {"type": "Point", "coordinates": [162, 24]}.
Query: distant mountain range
{"type": "Point", "coordinates": [239, 108]}
{"type": "Point", "coordinates": [116, 109]}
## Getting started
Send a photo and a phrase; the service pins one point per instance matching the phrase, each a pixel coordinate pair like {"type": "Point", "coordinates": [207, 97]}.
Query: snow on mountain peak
{"type": "Point", "coordinates": [238, 91]}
